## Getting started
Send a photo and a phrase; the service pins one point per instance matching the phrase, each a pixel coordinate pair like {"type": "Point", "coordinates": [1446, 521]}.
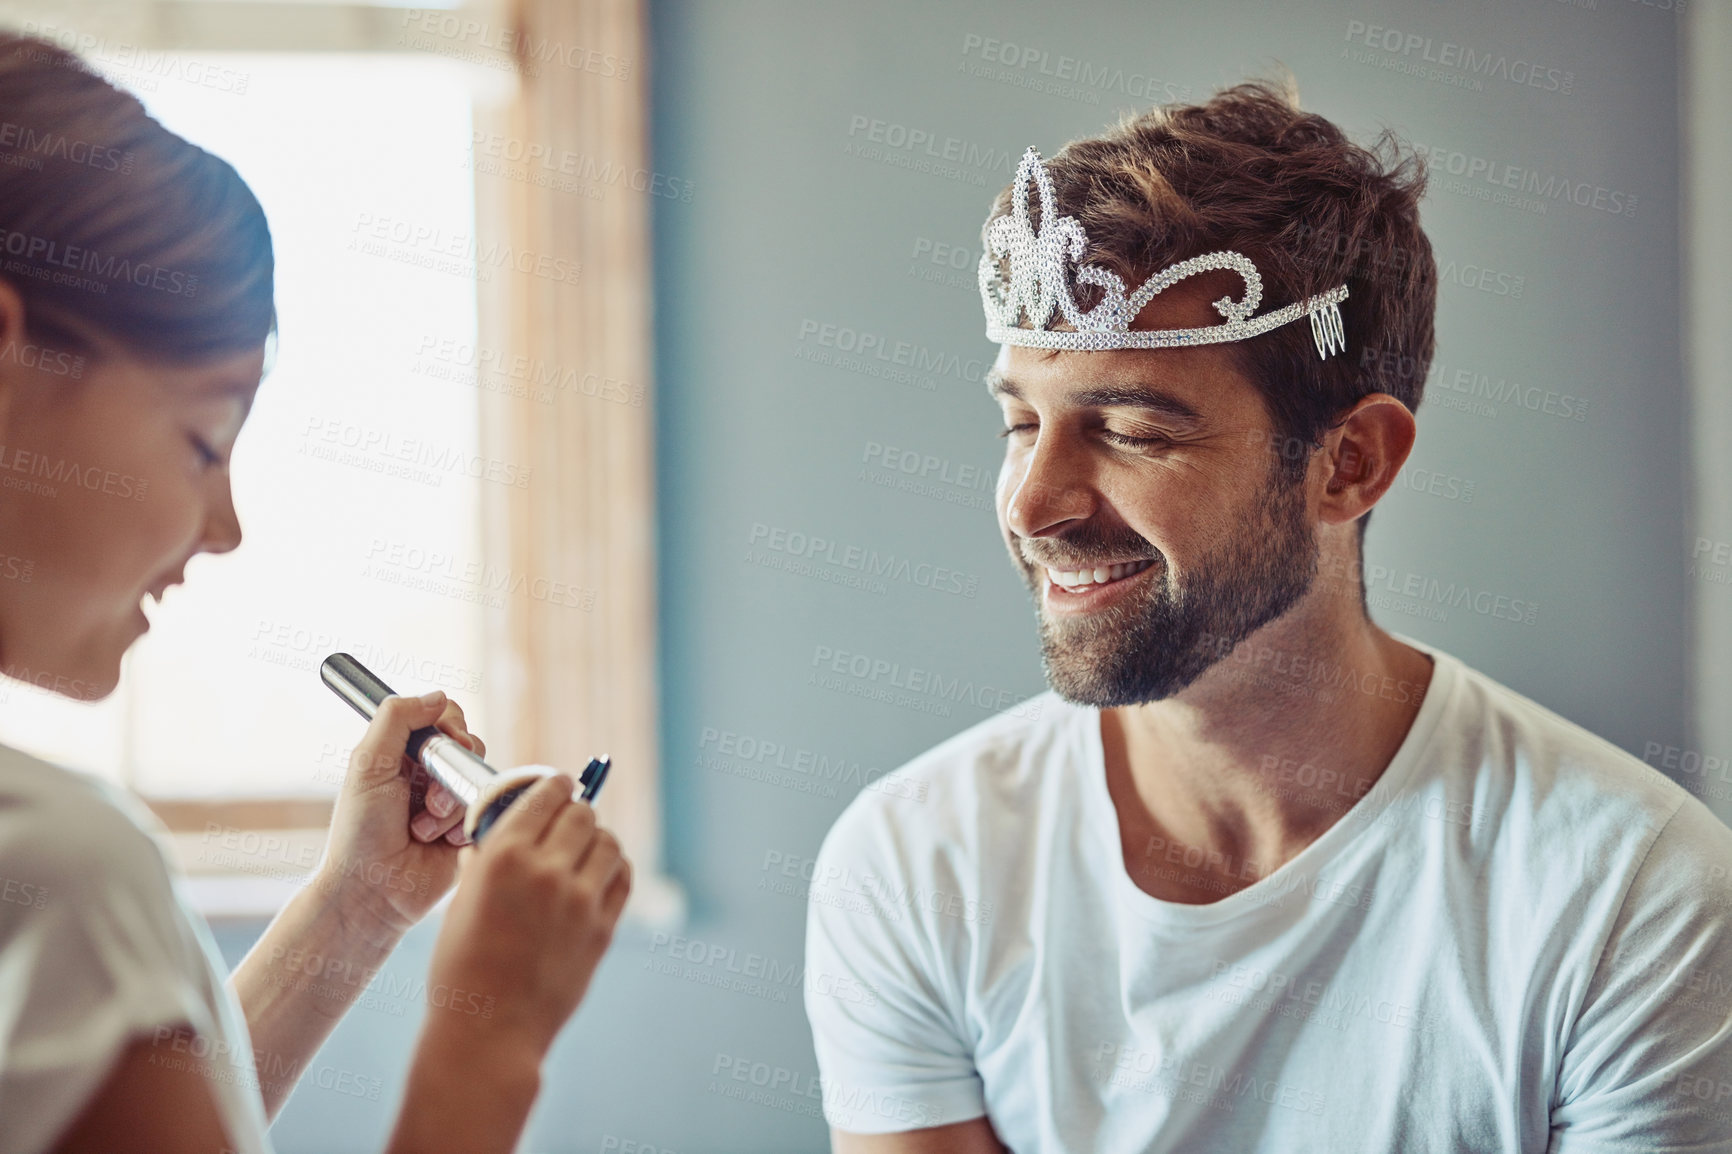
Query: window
{"type": "Point", "coordinates": [405, 480]}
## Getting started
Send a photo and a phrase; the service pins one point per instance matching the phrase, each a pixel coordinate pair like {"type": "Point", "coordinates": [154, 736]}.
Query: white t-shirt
{"type": "Point", "coordinates": [98, 947]}
{"type": "Point", "coordinates": [1519, 939]}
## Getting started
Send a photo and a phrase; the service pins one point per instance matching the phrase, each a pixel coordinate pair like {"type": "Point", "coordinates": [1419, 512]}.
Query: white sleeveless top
{"type": "Point", "coordinates": [98, 947]}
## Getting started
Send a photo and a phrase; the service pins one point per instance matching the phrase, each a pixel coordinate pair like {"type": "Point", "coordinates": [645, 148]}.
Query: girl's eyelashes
{"type": "Point", "coordinates": [1009, 429]}
{"type": "Point", "coordinates": [207, 455]}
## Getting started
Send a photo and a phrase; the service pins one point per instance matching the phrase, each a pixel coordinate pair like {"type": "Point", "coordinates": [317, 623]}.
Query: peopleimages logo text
{"type": "Point", "coordinates": [1447, 54]}
{"type": "Point", "coordinates": [1546, 186]}
{"type": "Point", "coordinates": [47, 251]}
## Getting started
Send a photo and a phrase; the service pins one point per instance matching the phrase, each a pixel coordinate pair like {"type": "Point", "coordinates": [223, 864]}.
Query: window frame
{"type": "Point", "coordinates": [614, 685]}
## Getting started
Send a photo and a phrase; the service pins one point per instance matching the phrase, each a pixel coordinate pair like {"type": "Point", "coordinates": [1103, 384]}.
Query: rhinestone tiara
{"type": "Point", "coordinates": [1038, 283]}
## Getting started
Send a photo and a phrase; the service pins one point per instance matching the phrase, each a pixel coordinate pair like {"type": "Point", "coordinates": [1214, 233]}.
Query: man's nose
{"type": "Point", "coordinates": [1051, 491]}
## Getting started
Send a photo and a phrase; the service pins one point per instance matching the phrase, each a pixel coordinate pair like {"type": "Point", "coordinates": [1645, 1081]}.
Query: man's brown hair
{"type": "Point", "coordinates": [1250, 172]}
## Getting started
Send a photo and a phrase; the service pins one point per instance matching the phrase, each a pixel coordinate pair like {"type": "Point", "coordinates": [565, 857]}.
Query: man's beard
{"type": "Point", "coordinates": [1166, 637]}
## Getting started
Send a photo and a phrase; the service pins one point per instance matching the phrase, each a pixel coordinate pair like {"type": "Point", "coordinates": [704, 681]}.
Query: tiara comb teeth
{"type": "Point", "coordinates": [1039, 287]}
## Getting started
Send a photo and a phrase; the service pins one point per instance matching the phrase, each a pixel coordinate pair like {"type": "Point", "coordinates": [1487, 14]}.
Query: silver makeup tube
{"type": "Point", "coordinates": [484, 790]}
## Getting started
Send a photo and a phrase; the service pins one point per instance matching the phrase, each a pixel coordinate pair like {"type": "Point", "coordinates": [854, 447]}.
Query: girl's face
{"type": "Point", "coordinates": [110, 481]}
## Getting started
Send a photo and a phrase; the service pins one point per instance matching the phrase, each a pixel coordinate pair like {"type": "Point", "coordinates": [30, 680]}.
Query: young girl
{"type": "Point", "coordinates": [135, 311]}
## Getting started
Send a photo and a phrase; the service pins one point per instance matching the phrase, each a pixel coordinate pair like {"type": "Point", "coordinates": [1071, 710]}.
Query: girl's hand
{"type": "Point", "coordinates": [533, 915]}
{"type": "Point", "coordinates": [392, 850]}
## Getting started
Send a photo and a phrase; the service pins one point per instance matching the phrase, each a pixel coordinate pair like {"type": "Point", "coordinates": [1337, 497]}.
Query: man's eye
{"type": "Point", "coordinates": [1129, 442]}
{"type": "Point", "coordinates": [1012, 429]}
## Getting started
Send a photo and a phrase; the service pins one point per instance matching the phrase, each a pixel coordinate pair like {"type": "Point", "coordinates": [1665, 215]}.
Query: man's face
{"type": "Point", "coordinates": [1140, 499]}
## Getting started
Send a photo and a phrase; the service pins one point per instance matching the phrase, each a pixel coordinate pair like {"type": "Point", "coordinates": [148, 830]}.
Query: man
{"type": "Point", "coordinates": [1257, 874]}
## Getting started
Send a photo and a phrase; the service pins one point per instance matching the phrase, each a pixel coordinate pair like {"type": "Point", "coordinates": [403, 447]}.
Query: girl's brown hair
{"type": "Point", "coordinates": [112, 226]}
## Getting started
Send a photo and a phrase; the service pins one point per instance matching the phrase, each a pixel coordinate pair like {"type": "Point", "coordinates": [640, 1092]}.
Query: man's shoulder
{"type": "Point", "coordinates": [1517, 730]}
{"type": "Point", "coordinates": [1555, 783]}
{"type": "Point", "coordinates": [942, 796]}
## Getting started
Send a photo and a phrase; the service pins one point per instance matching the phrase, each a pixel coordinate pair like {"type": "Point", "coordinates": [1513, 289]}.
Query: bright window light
{"type": "Point", "coordinates": [356, 475]}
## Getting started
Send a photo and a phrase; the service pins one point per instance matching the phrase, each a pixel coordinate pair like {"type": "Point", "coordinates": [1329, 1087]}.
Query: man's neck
{"type": "Point", "coordinates": [1223, 783]}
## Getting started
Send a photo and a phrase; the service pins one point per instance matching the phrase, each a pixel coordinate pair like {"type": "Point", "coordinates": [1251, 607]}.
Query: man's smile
{"type": "Point", "coordinates": [1089, 590]}
{"type": "Point", "coordinates": [1077, 580]}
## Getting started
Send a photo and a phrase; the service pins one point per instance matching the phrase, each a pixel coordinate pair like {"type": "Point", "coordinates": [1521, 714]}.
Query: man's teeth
{"type": "Point", "coordinates": [1081, 578]}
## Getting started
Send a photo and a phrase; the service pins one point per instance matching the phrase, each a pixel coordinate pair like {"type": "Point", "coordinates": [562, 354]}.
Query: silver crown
{"type": "Point", "coordinates": [1038, 284]}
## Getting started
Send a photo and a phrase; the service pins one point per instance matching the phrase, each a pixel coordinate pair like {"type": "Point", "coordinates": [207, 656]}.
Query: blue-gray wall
{"type": "Point", "coordinates": [805, 232]}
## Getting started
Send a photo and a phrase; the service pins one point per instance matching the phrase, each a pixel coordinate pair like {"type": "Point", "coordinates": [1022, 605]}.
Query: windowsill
{"type": "Point", "coordinates": [238, 897]}
{"type": "Point", "coordinates": [243, 860]}
{"type": "Point", "coordinates": [657, 902]}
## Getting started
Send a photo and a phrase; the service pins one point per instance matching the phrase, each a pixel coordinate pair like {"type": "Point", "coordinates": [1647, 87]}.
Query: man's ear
{"type": "Point", "coordinates": [1362, 454]}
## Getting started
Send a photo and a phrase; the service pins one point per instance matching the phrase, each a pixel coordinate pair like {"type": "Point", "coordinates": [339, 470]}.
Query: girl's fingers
{"type": "Point", "coordinates": [599, 859]}
{"type": "Point", "coordinates": [378, 755]}
{"type": "Point", "coordinates": [429, 827]}
{"type": "Point", "coordinates": [526, 818]}
{"type": "Point", "coordinates": [570, 834]}
{"type": "Point", "coordinates": [452, 720]}
{"type": "Point", "coordinates": [618, 889]}
{"type": "Point", "coordinates": [472, 741]}
{"type": "Point", "coordinates": [441, 802]}
{"type": "Point", "coordinates": [379, 760]}
{"type": "Point", "coordinates": [454, 723]}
